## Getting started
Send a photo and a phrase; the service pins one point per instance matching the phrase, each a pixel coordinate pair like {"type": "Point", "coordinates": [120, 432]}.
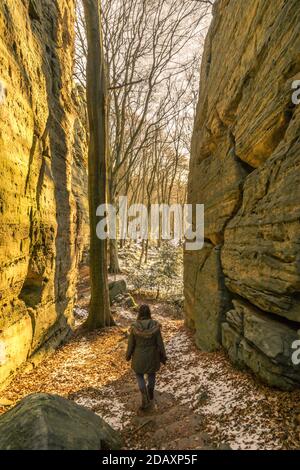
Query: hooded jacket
{"type": "Point", "coordinates": [146, 347]}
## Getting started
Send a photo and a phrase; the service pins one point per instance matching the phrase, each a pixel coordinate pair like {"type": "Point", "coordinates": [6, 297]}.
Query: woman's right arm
{"type": "Point", "coordinates": [161, 348]}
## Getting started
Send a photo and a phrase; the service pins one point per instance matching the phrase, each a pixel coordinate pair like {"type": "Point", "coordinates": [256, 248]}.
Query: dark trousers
{"type": "Point", "coordinates": [142, 382]}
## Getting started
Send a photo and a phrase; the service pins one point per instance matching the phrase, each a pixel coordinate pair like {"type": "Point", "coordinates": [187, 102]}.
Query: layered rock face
{"type": "Point", "coordinates": [245, 168]}
{"type": "Point", "coordinates": [42, 204]}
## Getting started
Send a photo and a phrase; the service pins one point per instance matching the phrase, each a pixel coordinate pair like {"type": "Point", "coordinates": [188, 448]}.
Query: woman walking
{"type": "Point", "coordinates": [146, 350]}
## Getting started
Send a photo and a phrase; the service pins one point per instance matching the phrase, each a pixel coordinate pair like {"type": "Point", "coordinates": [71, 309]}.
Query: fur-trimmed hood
{"type": "Point", "coordinates": [145, 328]}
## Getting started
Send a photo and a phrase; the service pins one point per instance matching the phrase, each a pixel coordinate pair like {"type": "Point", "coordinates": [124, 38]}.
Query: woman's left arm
{"type": "Point", "coordinates": [130, 346]}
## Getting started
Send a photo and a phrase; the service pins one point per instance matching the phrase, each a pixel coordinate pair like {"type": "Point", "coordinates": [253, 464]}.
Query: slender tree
{"type": "Point", "coordinates": [146, 48]}
{"type": "Point", "coordinates": [97, 105]}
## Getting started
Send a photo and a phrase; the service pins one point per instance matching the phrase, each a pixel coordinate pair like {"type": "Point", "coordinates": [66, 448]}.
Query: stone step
{"type": "Point", "coordinates": [195, 441]}
{"type": "Point", "coordinates": [180, 427]}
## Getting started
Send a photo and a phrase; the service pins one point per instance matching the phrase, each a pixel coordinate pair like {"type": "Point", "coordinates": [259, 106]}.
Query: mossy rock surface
{"type": "Point", "coordinates": [50, 422]}
{"type": "Point", "coordinates": [116, 288]}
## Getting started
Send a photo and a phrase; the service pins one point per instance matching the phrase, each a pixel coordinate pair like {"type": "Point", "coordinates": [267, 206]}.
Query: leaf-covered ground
{"type": "Point", "coordinates": [201, 400]}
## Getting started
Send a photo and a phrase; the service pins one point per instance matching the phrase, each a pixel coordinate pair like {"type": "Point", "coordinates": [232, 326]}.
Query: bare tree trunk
{"type": "Point", "coordinates": [114, 266]}
{"type": "Point", "coordinates": [99, 311]}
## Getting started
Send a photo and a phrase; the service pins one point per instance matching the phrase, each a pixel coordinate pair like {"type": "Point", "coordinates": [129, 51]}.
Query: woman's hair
{"type": "Point", "coordinates": [144, 312]}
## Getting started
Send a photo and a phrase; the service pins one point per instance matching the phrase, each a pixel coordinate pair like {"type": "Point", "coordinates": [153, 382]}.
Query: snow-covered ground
{"type": "Point", "coordinates": [236, 409]}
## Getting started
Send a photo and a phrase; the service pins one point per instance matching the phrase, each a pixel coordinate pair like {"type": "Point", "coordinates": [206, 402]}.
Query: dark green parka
{"type": "Point", "coordinates": [146, 347]}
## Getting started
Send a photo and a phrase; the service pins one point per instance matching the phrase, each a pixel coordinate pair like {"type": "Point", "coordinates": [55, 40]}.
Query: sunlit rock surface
{"type": "Point", "coordinates": [42, 205]}
{"type": "Point", "coordinates": [245, 168]}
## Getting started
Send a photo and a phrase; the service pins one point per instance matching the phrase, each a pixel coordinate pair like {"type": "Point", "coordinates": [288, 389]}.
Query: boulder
{"type": "Point", "coordinates": [231, 340]}
{"type": "Point", "coordinates": [235, 318]}
{"type": "Point", "coordinates": [271, 337]}
{"type": "Point", "coordinates": [49, 422]}
{"type": "Point", "coordinates": [116, 288]}
{"type": "Point", "coordinates": [262, 343]}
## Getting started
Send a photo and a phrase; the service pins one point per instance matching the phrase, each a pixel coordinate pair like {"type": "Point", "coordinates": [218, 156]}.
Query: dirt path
{"type": "Point", "coordinates": [201, 400]}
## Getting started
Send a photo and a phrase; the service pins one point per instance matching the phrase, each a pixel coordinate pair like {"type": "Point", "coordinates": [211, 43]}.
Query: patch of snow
{"type": "Point", "coordinates": [194, 378]}
{"type": "Point", "coordinates": [80, 313]}
{"type": "Point", "coordinates": [107, 406]}
{"type": "Point", "coordinates": [127, 315]}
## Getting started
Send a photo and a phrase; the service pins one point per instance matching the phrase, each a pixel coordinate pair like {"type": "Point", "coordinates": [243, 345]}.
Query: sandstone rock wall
{"type": "Point", "coordinates": [245, 168]}
{"type": "Point", "coordinates": [42, 207]}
